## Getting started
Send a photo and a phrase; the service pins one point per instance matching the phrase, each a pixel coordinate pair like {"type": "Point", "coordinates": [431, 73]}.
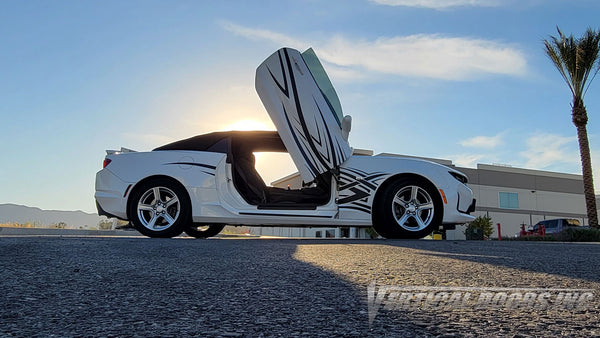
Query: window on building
{"type": "Point", "coordinates": [509, 200]}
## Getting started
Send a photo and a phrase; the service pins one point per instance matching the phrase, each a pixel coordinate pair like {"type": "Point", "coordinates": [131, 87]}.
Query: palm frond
{"type": "Point", "coordinates": [575, 59]}
{"type": "Point", "coordinates": [590, 50]}
{"type": "Point", "coordinates": [556, 51]}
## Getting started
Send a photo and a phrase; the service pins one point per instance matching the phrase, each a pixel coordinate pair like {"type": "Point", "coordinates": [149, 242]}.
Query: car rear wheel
{"type": "Point", "coordinates": [407, 208]}
{"type": "Point", "coordinates": [160, 208]}
{"type": "Point", "coordinates": [199, 230]}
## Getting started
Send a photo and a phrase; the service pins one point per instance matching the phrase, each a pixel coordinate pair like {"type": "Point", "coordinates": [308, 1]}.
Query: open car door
{"type": "Point", "coordinates": [304, 107]}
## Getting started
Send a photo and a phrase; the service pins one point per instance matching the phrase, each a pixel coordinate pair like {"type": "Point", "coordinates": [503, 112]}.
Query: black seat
{"type": "Point", "coordinates": [254, 190]}
{"type": "Point", "coordinates": [247, 180]}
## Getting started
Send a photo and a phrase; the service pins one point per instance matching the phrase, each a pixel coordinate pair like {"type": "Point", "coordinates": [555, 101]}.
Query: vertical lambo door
{"type": "Point", "coordinates": [304, 107]}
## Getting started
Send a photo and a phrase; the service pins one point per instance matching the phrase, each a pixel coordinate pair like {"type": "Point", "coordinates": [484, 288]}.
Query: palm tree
{"type": "Point", "coordinates": [576, 60]}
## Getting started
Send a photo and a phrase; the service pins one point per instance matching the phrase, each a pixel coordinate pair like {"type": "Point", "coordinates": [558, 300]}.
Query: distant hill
{"type": "Point", "coordinates": [12, 213]}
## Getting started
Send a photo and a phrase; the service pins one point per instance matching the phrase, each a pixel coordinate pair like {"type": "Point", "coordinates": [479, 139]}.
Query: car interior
{"type": "Point", "coordinates": [253, 189]}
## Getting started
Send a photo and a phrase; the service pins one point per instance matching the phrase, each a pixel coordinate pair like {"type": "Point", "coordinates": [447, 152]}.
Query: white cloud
{"type": "Point", "coordinates": [261, 34]}
{"type": "Point", "coordinates": [430, 56]}
{"type": "Point", "coordinates": [344, 73]}
{"type": "Point", "coordinates": [466, 160]}
{"type": "Point", "coordinates": [486, 142]}
{"type": "Point", "coordinates": [438, 4]}
{"type": "Point", "coordinates": [545, 150]}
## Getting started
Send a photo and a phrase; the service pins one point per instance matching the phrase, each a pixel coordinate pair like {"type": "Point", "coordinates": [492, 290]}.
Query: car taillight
{"type": "Point", "coordinates": [106, 162]}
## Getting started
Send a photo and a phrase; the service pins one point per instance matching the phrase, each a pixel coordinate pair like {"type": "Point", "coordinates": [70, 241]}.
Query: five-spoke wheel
{"type": "Point", "coordinates": [159, 208]}
{"type": "Point", "coordinates": [407, 208]}
{"type": "Point", "coordinates": [413, 208]}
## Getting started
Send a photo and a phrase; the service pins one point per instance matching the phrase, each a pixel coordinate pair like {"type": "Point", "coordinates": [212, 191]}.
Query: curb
{"type": "Point", "coordinates": [8, 231]}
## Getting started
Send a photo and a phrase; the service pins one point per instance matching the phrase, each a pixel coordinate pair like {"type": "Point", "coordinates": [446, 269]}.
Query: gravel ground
{"type": "Point", "coordinates": [94, 286]}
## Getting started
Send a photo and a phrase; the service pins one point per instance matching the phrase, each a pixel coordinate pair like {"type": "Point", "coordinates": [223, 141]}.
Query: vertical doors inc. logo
{"type": "Point", "coordinates": [426, 298]}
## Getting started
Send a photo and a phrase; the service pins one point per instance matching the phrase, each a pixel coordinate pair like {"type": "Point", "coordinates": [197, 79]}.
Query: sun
{"type": "Point", "coordinates": [249, 124]}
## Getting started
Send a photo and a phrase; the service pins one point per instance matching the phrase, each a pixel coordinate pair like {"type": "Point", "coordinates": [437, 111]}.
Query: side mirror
{"type": "Point", "coordinates": [346, 126]}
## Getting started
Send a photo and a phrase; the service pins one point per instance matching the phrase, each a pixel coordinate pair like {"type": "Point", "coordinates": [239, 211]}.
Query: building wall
{"type": "Point", "coordinates": [344, 232]}
{"type": "Point", "coordinates": [294, 181]}
{"type": "Point", "coordinates": [547, 203]}
{"type": "Point", "coordinates": [541, 195]}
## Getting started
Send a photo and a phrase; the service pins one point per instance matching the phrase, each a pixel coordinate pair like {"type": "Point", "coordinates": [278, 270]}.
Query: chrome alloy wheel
{"type": "Point", "coordinates": [158, 208]}
{"type": "Point", "coordinates": [413, 208]}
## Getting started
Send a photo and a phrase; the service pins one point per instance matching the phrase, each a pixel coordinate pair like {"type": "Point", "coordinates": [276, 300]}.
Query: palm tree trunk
{"type": "Point", "coordinates": [580, 121]}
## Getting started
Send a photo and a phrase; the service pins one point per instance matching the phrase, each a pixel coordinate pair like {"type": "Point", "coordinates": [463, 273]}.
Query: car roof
{"type": "Point", "coordinates": [222, 141]}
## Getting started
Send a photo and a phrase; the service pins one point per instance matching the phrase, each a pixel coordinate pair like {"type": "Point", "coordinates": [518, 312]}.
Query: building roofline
{"type": "Point", "coordinates": [285, 178]}
{"type": "Point", "coordinates": [525, 171]}
{"type": "Point", "coordinates": [436, 160]}
{"type": "Point", "coordinates": [495, 167]}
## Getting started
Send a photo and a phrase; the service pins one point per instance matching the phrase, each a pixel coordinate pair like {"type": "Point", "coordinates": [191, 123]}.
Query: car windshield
{"type": "Point", "coordinates": [322, 80]}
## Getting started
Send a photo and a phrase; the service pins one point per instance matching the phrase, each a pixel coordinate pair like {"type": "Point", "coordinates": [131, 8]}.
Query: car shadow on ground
{"type": "Point", "coordinates": [69, 286]}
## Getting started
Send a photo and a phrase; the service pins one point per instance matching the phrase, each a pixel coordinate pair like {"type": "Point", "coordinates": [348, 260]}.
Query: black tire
{"type": "Point", "coordinates": [198, 230]}
{"type": "Point", "coordinates": [407, 208]}
{"type": "Point", "coordinates": [162, 217]}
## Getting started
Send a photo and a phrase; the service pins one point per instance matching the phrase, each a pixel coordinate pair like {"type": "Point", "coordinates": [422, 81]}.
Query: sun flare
{"type": "Point", "coordinates": [249, 124]}
{"type": "Point", "coordinates": [270, 166]}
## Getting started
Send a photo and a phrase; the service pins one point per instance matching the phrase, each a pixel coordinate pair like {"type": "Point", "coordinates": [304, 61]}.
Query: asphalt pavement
{"type": "Point", "coordinates": [136, 286]}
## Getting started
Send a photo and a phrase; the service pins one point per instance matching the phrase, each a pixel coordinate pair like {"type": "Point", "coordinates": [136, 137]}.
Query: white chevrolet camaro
{"type": "Point", "coordinates": [199, 184]}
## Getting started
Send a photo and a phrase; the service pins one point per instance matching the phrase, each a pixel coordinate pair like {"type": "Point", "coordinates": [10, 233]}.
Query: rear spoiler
{"type": "Point", "coordinates": [117, 152]}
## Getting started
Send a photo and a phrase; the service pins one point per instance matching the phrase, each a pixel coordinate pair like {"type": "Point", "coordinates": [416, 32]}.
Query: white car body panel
{"type": "Point", "coordinates": [215, 199]}
{"type": "Point", "coordinates": [194, 170]}
{"type": "Point", "coordinates": [309, 124]}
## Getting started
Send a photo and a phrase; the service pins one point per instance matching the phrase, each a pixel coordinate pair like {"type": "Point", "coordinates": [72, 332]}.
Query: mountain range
{"type": "Point", "coordinates": [13, 213]}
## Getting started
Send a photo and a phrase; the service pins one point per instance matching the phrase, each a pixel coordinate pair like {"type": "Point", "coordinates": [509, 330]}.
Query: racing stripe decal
{"type": "Point", "coordinates": [357, 188]}
{"type": "Point", "coordinates": [285, 90]}
{"type": "Point", "coordinates": [212, 167]}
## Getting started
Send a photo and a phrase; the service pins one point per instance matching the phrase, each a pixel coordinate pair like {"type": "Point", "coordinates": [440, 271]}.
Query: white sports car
{"type": "Point", "coordinates": [200, 184]}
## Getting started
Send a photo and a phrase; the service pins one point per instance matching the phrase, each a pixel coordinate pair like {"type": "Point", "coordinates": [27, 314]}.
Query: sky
{"type": "Point", "coordinates": [464, 80]}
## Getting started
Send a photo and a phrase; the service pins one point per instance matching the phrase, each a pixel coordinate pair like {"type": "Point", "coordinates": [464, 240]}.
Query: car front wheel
{"type": "Point", "coordinates": [407, 208]}
{"type": "Point", "coordinates": [160, 208]}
